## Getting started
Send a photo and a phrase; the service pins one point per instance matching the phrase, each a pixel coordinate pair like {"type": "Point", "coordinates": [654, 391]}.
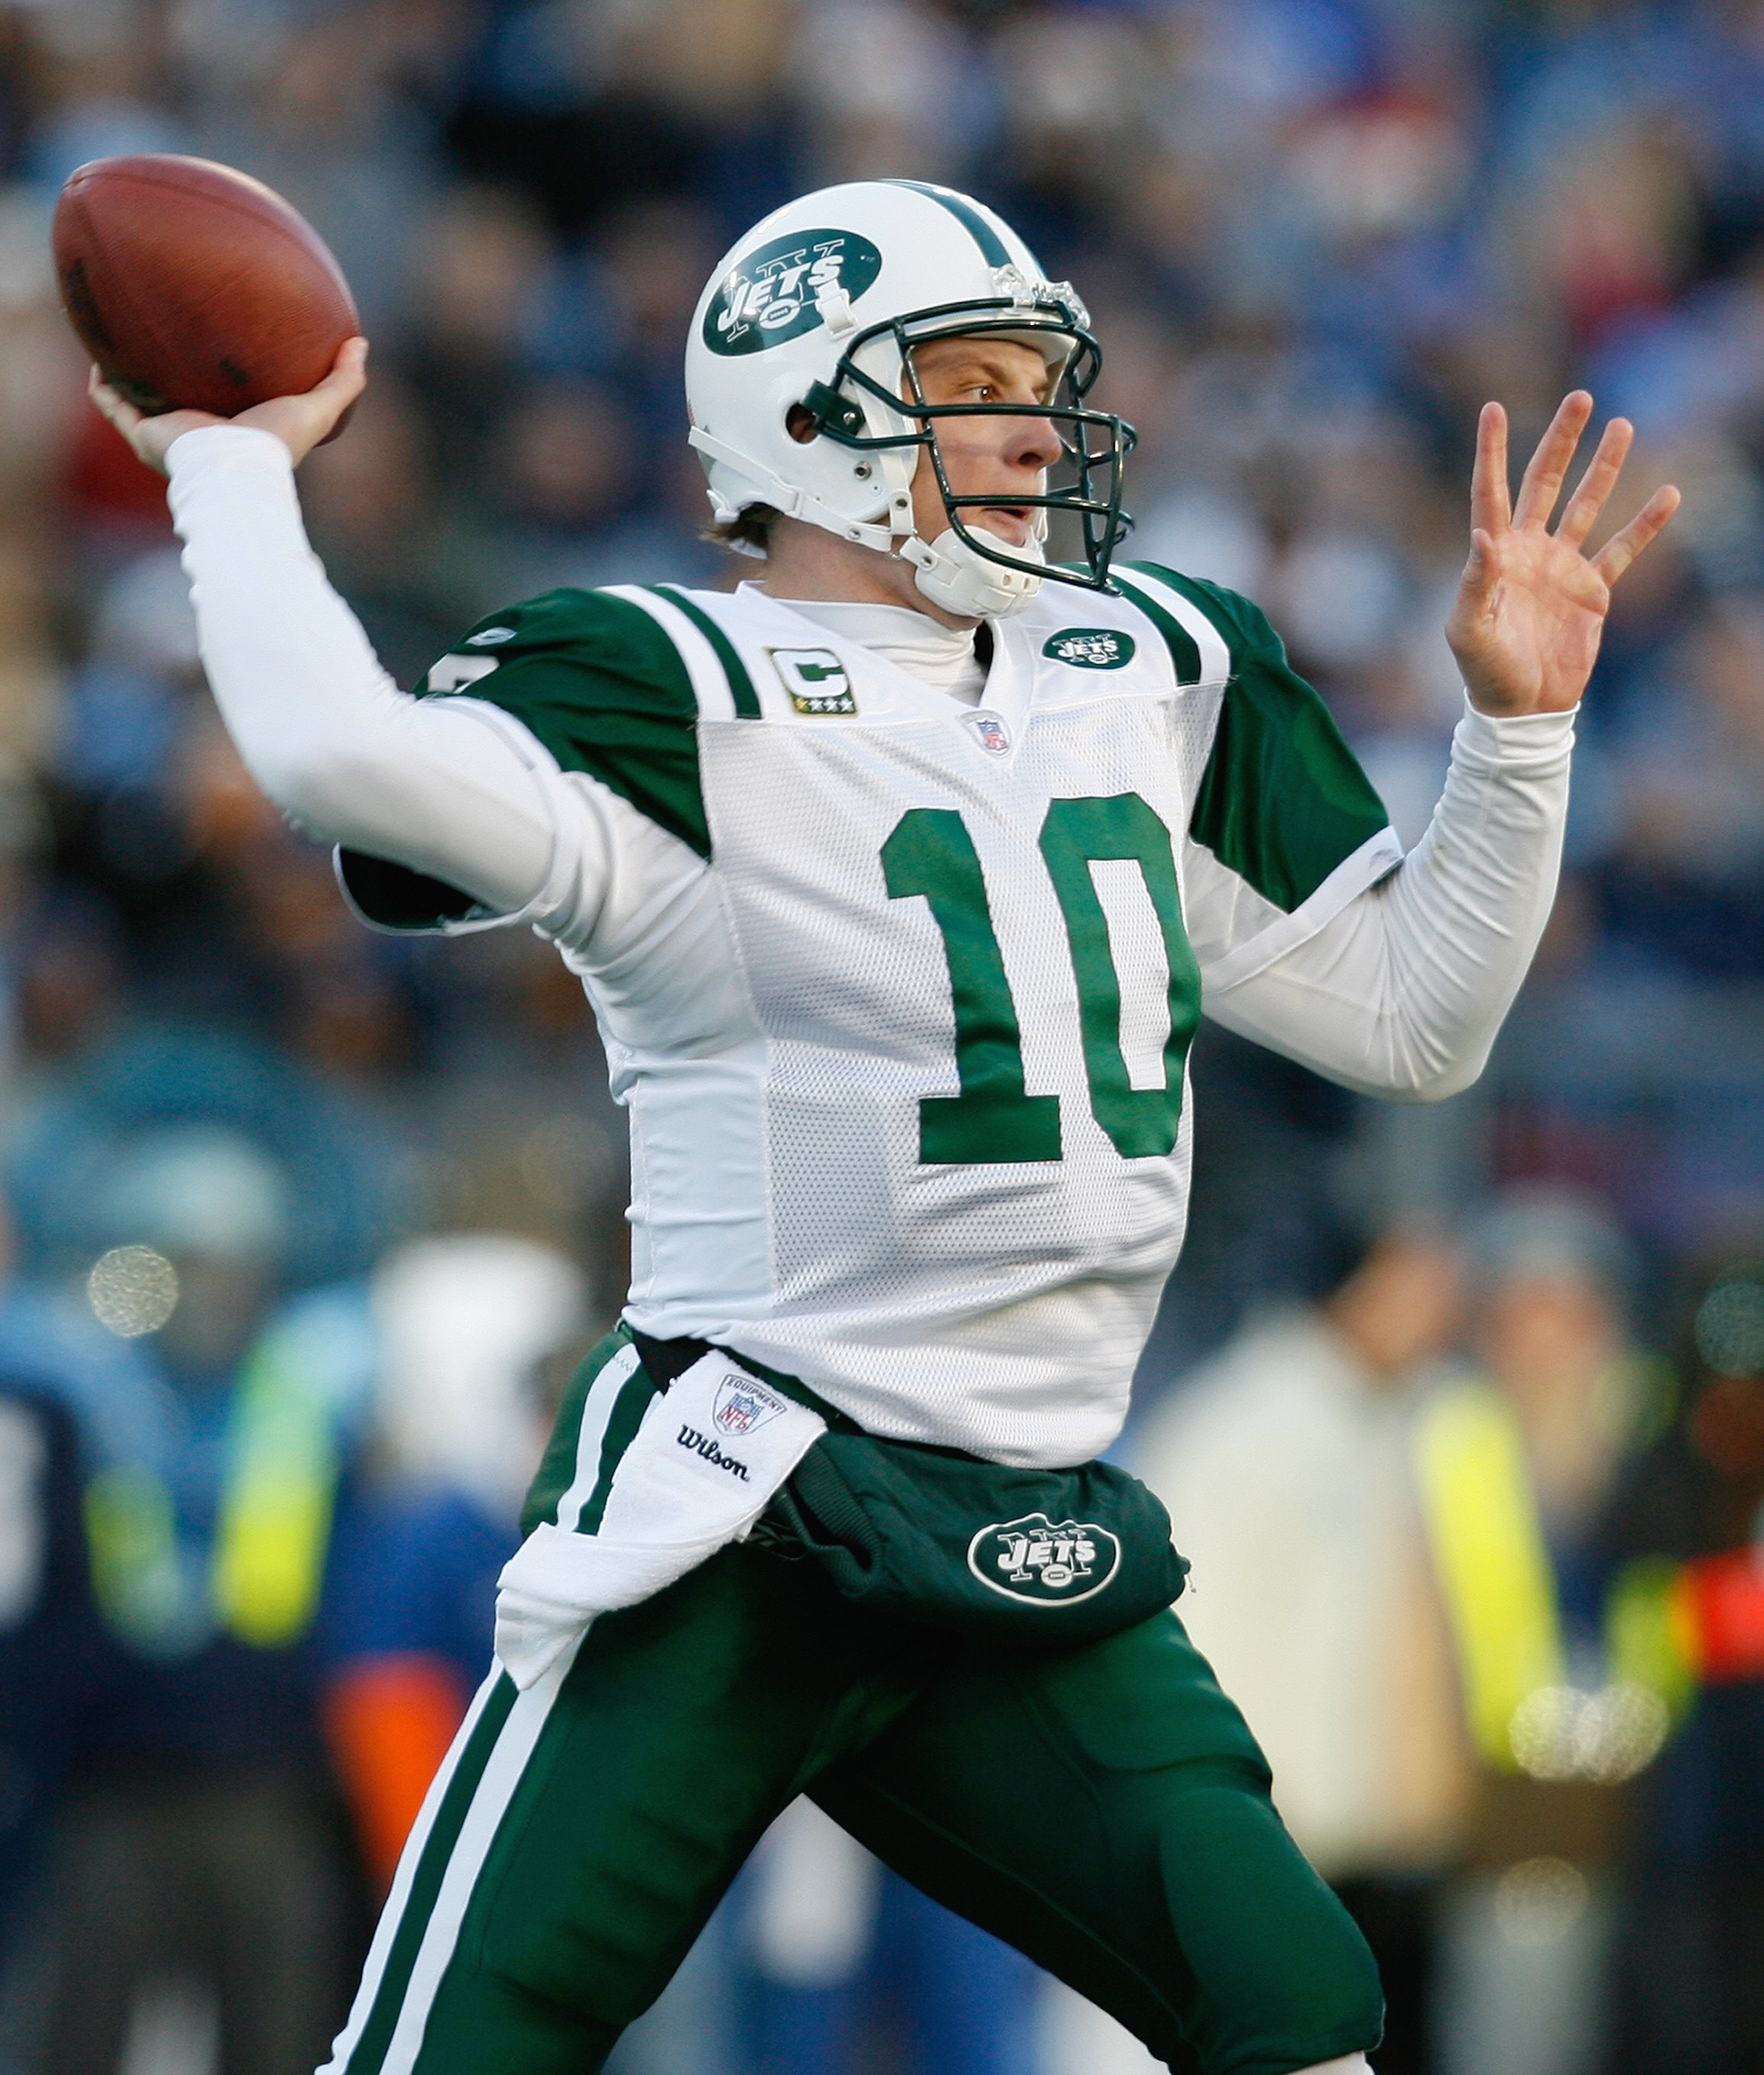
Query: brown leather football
{"type": "Point", "coordinates": [195, 287]}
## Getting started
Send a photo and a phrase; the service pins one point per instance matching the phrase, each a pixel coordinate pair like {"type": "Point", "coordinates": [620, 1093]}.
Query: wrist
{"type": "Point", "coordinates": [221, 437]}
{"type": "Point", "coordinates": [1506, 740]}
{"type": "Point", "coordinates": [1497, 706]}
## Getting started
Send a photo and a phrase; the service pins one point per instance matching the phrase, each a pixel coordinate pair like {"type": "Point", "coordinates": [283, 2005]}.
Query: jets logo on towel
{"type": "Point", "coordinates": [1044, 1563]}
{"type": "Point", "coordinates": [743, 1406]}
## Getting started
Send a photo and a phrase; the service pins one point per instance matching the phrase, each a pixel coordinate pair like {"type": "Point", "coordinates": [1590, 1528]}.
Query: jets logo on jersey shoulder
{"type": "Point", "coordinates": [1090, 647]}
{"type": "Point", "coordinates": [1045, 1562]}
{"type": "Point", "coordinates": [816, 680]}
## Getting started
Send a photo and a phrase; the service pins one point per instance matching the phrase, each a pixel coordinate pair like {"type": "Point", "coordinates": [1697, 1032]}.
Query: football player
{"type": "Point", "coordinates": [898, 879]}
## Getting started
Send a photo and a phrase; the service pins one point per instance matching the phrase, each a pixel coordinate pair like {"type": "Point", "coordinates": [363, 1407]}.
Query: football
{"type": "Point", "coordinates": [195, 287]}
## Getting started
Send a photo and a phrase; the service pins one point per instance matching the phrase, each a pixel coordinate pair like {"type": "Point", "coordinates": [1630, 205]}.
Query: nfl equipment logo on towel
{"type": "Point", "coordinates": [742, 1405]}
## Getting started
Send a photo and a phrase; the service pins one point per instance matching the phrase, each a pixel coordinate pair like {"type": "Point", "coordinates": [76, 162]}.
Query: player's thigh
{"type": "Point", "coordinates": [590, 1824]}
{"type": "Point", "coordinates": [1107, 1811]}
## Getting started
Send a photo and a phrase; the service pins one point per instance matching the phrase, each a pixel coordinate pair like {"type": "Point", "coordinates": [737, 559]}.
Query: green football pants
{"type": "Point", "coordinates": [1105, 1811]}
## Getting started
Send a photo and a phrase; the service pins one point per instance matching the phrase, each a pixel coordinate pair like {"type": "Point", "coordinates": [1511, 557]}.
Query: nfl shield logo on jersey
{"type": "Point", "coordinates": [990, 731]}
{"type": "Point", "coordinates": [742, 1405]}
{"type": "Point", "coordinates": [1043, 1563]}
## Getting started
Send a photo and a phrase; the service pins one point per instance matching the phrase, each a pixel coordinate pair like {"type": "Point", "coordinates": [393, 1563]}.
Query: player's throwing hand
{"type": "Point", "coordinates": [299, 422]}
{"type": "Point", "coordinates": [1530, 609]}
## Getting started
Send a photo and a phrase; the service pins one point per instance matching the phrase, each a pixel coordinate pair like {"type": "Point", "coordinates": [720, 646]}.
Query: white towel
{"type": "Point", "coordinates": [711, 1452]}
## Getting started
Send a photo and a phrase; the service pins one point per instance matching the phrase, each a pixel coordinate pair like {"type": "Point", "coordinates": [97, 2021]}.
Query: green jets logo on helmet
{"type": "Point", "coordinates": [1090, 647]}
{"type": "Point", "coordinates": [774, 294]}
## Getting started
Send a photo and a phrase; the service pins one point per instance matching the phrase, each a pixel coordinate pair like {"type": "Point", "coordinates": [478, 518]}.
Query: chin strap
{"type": "Point", "coordinates": [953, 575]}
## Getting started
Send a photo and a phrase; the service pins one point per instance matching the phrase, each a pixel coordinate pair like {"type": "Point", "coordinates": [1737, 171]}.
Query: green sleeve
{"type": "Point", "coordinates": [598, 682]}
{"type": "Point", "coordinates": [1282, 801]}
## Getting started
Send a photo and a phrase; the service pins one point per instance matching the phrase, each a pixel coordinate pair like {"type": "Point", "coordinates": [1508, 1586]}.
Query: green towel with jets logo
{"type": "Point", "coordinates": [1034, 1559]}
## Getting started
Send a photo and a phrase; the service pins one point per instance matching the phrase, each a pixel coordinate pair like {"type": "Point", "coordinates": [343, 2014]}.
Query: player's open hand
{"type": "Point", "coordinates": [1530, 609]}
{"type": "Point", "coordinates": [299, 422]}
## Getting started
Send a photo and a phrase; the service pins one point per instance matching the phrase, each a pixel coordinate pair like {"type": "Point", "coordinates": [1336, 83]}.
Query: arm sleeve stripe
{"type": "Point", "coordinates": [1195, 643]}
{"type": "Point", "coordinates": [709, 680]}
{"type": "Point", "coordinates": [1377, 857]}
{"type": "Point", "coordinates": [747, 700]}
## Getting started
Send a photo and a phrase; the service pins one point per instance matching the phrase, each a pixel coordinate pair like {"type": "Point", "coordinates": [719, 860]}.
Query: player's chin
{"type": "Point", "coordinates": [1011, 527]}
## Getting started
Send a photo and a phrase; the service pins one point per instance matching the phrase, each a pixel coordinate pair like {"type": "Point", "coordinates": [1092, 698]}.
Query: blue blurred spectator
{"type": "Point", "coordinates": [339, 1165]}
{"type": "Point", "coordinates": [53, 1664]}
{"type": "Point", "coordinates": [201, 1844]}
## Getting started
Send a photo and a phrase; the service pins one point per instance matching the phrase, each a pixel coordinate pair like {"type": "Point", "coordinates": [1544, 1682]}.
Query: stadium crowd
{"type": "Point", "coordinates": [1460, 1411]}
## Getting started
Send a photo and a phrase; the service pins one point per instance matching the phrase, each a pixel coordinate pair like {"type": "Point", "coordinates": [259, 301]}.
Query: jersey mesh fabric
{"type": "Point", "coordinates": [1001, 1297]}
{"type": "Point", "coordinates": [781, 1046]}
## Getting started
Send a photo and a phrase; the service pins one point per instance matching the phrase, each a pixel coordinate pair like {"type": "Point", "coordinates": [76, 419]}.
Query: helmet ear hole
{"type": "Point", "coordinates": [799, 423]}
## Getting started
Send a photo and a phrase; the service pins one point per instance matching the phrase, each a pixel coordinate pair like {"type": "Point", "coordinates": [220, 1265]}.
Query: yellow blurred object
{"type": "Point", "coordinates": [132, 1537]}
{"type": "Point", "coordinates": [1494, 1569]}
{"type": "Point", "coordinates": [276, 1515]}
{"type": "Point", "coordinates": [1650, 1635]}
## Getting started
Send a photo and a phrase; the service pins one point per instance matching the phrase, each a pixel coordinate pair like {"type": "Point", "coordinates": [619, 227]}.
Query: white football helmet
{"type": "Point", "coordinates": [822, 304]}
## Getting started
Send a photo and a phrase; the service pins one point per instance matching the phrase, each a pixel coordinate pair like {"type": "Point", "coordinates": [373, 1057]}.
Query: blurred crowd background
{"type": "Point", "coordinates": [1460, 1411]}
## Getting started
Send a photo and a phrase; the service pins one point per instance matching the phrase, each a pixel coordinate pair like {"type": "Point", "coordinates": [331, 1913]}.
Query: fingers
{"type": "Point", "coordinates": [1479, 571]}
{"type": "Point", "coordinates": [1471, 608]}
{"type": "Point", "coordinates": [1616, 555]}
{"type": "Point", "coordinates": [111, 405]}
{"type": "Point", "coordinates": [1602, 471]}
{"type": "Point", "coordinates": [349, 372]}
{"type": "Point", "coordinates": [1542, 482]}
{"type": "Point", "coordinates": [1490, 501]}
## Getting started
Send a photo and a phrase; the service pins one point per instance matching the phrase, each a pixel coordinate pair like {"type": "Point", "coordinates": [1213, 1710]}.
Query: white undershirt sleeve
{"type": "Point", "coordinates": [1402, 991]}
{"type": "Point", "coordinates": [448, 787]}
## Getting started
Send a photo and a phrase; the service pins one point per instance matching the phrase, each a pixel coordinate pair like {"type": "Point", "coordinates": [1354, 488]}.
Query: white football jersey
{"type": "Point", "coordinates": [898, 992]}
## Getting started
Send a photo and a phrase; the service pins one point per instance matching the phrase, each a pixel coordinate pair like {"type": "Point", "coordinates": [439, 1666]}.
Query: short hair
{"type": "Point", "coordinates": [749, 532]}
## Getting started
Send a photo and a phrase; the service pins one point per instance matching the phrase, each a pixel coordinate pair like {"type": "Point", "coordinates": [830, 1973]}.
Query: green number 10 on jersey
{"type": "Point", "coordinates": [931, 855]}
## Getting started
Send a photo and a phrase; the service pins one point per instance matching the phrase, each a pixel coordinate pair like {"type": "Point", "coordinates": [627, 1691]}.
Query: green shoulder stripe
{"type": "Point", "coordinates": [1180, 642]}
{"type": "Point", "coordinates": [747, 700]}
{"type": "Point", "coordinates": [600, 684]}
{"type": "Point", "coordinates": [1283, 801]}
